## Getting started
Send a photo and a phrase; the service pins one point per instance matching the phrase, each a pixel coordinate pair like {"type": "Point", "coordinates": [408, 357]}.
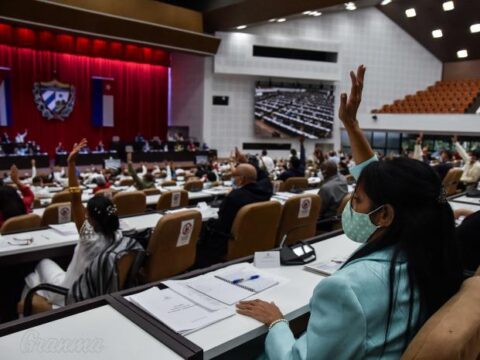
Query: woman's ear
{"type": "Point", "coordinates": [385, 216]}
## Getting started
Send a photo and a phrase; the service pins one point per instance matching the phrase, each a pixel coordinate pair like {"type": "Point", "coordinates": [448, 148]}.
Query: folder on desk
{"type": "Point", "coordinates": [326, 267]}
{"type": "Point", "coordinates": [176, 311]}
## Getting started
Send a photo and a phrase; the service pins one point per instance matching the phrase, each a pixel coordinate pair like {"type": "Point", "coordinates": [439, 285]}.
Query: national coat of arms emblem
{"type": "Point", "coordinates": [54, 99]}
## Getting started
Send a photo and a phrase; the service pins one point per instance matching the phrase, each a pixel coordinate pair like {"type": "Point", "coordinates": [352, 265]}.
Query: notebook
{"type": "Point", "coordinates": [230, 287]}
{"type": "Point", "coordinates": [327, 267]}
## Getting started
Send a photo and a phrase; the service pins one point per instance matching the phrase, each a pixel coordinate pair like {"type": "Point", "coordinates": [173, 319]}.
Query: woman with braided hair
{"type": "Point", "coordinates": [98, 226]}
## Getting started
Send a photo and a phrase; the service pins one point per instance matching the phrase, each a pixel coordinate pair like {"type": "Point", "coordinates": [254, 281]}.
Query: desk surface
{"type": "Point", "coordinates": [49, 239]}
{"type": "Point", "coordinates": [459, 205]}
{"type": "Point", "coordinates": [100, 333]}
{"type": "Point", "coordinates": [236, 330]}
{"type": "Point", "coordinates": [466, 199]}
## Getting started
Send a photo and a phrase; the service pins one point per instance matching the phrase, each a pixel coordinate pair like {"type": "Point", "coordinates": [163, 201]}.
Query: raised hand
{"type": "Point", "coordinates": [76, 149]}
{"type": "Point", "coordinates": [349, 105]}
{"type": "Point", "coordinates": [129, 157]}
{"type": "Point", "coordinates": [33, 162]}
{"type": "Point", "coordinates": [455, 138]}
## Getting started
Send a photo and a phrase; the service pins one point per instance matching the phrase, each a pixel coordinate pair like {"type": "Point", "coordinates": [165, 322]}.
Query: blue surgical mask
{"type": "Point", "coordinates": [358, 226]}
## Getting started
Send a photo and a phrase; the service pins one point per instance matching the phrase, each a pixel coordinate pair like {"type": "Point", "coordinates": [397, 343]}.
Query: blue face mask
{"type": "Point", "coordinates": [358, 226]}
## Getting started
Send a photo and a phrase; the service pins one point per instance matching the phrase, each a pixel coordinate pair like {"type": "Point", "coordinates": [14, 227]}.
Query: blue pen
{"type": "Point", "coordinates": [253, 277]}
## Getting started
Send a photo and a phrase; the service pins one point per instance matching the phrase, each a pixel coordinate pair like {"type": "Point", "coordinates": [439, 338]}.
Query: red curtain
{"type": "Point", "coordinates": [140, 96]}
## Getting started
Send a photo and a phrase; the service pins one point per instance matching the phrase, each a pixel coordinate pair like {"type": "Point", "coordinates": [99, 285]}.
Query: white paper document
{"type": "Point", "coordinates": [176, 311]}
{"type": "Point", "coordinates": [65, 229]}
{"type": "Point", "coordinates": [220, 290]}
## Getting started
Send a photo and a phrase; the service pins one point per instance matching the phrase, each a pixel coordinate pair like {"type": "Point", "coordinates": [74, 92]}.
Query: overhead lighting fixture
{"type": "Point", "coordinates": [316, 13]}
{"type": "Point", "coordinates": [475, 28]}
{"type": "Point", "coordinates": [410, 12]}
{"type": "Point", "coordinates": [385, 2]}
{"type": "Point", "coordinates": [272, 20]}
{"type": "Point", "coordinates": [448, 6]}
{"type": "Point", "coordinates": [241, 27]}
{"type": "Point", "coordinates": [462, 54]}
{"type": "Point", "coordinates": [307, 12]}
{"type": "Point", "coordinates": [350, 6]}
{"type": "Point", "coordinates": [437, 33]}
{"type": "Point", "coordinates": [281, 20]}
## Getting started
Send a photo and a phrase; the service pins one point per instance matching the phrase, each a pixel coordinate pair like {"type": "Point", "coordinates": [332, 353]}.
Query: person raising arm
{"type": "Point", "coordinates": [372, 307]}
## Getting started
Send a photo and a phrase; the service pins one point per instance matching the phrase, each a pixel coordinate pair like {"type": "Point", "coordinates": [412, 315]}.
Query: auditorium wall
{"type": "Point", "coordinates": [396, 65]}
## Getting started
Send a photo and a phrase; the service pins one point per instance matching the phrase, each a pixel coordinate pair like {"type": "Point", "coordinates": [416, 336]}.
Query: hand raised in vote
{"type": "Point", "coordinates": [129, 157]}
{"type": "Point", "coordinates": [76, 149]}
{"type": "Point", "coordinates": [33, 162]}
{"type": "Point", "coordinates": [349, 105]}
{"type": "Point", "coordinates": [454, 138]}
{"type": "Point", "coordinates": [260, 310]}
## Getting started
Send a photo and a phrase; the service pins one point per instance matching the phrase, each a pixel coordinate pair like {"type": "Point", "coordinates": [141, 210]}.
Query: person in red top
{"type": "Point", "coordinates": [11, 204]}
{"type": "Point", "coordinates": [101, 183]}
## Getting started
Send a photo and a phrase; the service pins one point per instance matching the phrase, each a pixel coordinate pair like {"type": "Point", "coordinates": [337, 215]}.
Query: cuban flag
{"type": "Point", "coordinates": [5, 98]}
{"type": "Point", "coordinates": [102, 102]}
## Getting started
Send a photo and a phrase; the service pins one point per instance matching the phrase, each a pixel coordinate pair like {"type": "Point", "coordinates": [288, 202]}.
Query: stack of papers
{"type": "Point", "coordinates": [176, 311]}
{"type": "Point", "coordinates": [67, 229]}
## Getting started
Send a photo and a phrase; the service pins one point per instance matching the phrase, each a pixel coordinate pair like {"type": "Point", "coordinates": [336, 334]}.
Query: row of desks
{"type": "Point", "coordinates": [123, 335]}
{"type": "Point", "coordinates": [113, 329]}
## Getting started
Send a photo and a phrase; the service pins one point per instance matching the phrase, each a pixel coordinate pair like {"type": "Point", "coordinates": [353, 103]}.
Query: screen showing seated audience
{"type": "Point", "coordinates": [289, 109]}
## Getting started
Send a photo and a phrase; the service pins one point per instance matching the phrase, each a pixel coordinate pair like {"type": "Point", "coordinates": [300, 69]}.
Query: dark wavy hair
{"type": "Point", "coordinates": [100, 210]}
{"type": "Point", "coordinates": [11, 203]}
{"type": "Point", "coordinates": [423, 229]}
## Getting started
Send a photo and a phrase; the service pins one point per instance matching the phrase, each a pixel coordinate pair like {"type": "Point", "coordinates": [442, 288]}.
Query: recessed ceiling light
{"type": "Point", "coordinates": [410, 12]}
{"type": "Point", "coordinates": [437, 33]}
{"type": "Point", "coordinates": [350, 6]}
{"type": "Point", "coordinates": [307, 12]}
{"type": "Point", "coordinates": [241, 27]}
{"type": "Point", "coordinates": [448, 5]}
{"type": "Point", "coordinates": [316, 13]}
{"type": "Point", "coordinates": [281, 20]}
{"type": "Point", "coordinates": [475, 28]}
{"type": "Point", "coordinates": [385, 2]}
{"type": "Point", "coordinates": [462, 53]}
{"type": "Point", "coordinates": [272, 20]}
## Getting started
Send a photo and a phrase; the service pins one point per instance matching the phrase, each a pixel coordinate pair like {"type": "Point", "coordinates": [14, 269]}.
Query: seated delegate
{"type": "Point", "coordinates": [407, 269]}
{"type": "Point", "coordinates": [98, 227]}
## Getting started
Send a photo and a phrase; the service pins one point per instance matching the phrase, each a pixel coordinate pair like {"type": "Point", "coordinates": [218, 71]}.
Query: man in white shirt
{"type": "Point", "coordinates": [267, 162]}
{"type": "Point", "coordinates": [471, 169]}
{"type": "Point", "coordinates": [20, 138]}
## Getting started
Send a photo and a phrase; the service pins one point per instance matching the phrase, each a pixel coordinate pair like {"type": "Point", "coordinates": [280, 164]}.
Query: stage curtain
{"type": "Point", "coordinates": [140, 96]}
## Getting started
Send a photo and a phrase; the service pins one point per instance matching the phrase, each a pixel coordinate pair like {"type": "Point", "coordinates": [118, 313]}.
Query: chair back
{"type": "Point", "coordinates": [172, 245]}
{"type": "Point", "coordinates": [109, 193]}
{"type": "Point", "coordinates": [299, 218]}
{"type": "Point", "coordinates": [130, 203]}
{"type": "Point", "coordinates": [62, 197]}
{"type": "Point", "coordinates": [151, 191]}
{"type": "Point", "coordinates": [21, 223]}
{"type": "Point", "coordinates": [57, 213]}
{"type": "Point", "coordinates": [169, 183]}
{"type": "Point", "coordinates": [172, 200]}
{"type": "Point", "coordinates": [127, 182]}
{"type": "Point", "coordinates": [451, 181]}
{"type": "Point", "coordinates": [193, 185]}
{"type": "Point", "coordinates": [127, 269]}
{"type": "Point", "coordinates": [295, 183]}
{"type": "Point", "coordinates": [338, 224]}
{"type": "Point", "coordinates": [453, 332]}
{"type": "Point", "coordinates": [254, 229]}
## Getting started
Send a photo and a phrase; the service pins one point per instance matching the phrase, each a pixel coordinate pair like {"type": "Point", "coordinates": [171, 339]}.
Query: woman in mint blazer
{"type": "Point", "coordinates": [407, 268]}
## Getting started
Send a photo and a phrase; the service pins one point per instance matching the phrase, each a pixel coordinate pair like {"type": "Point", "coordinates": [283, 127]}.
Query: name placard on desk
{"type": "Point", "coordinates": [267, 259]}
